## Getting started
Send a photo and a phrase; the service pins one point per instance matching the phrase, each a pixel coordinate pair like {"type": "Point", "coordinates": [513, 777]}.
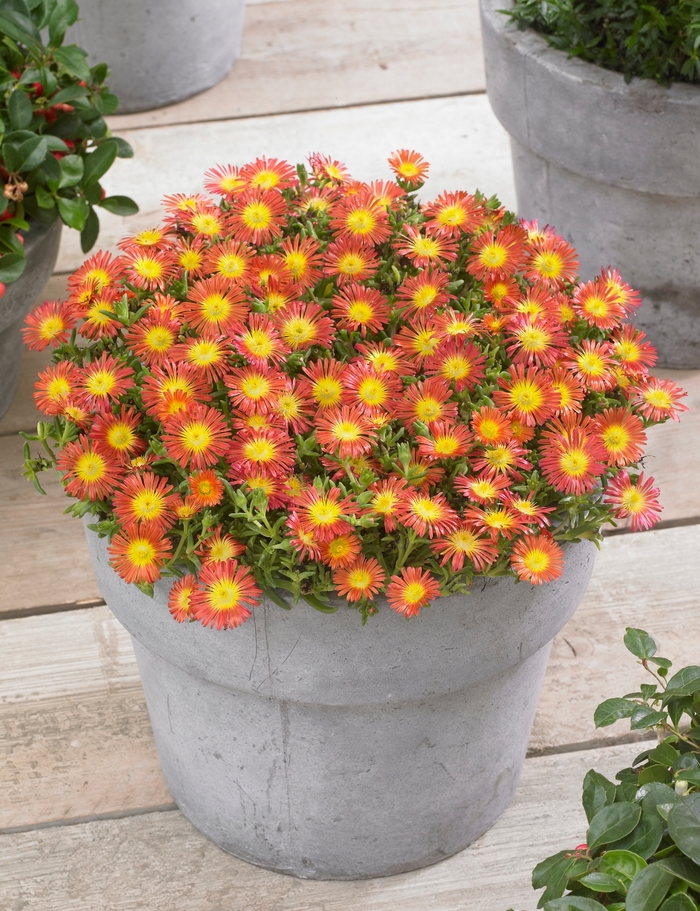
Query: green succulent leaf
{"type": "Point", "coordinates": [89, 234]}
{"type": "Point", "coordinates": [611, 824]}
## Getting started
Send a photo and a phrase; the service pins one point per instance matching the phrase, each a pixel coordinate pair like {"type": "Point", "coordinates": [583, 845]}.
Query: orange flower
{"type": "Point", "coordinates": [226, 597]}
{"type": "Point", "coordinates": [465, 543]}
{"type": "Point", "coordinates": [386, 498]}
{"type": "Point", "coordinates": [254, 389]}
{"type": "Point", "coordinates": [371, 391]}
{"type": "Point", "coordinates": [537, 559]}
{"type": "Point", "coordinates": [116, 434]}
{"type": "Point", "coordinates": [427, 515]}
{"type": "Point", "coordinates": [454, 213]}
{"type": "Point", "coordinates": [180, 598]}
{"type": "Point", "coordinates": [429, 249]}
{"type": "Point", "coordinates": [409, 167]}
{"type": "Point", "coordinates": [341, 550]}
{"type": "Point", "coordinates": [572, 456]}
{"type": "Point", "coordinates": [214, 307]}
{"type": "Point", "coordinates": [153, 339]}
{"type": "Point", "coordinates": [490, 425]}
{"type": "Point", "coordinates": [500, 252]}
{"type": "Point", "coordinates": [326, 168]}
{"type": "Point", "coordinates": [635, 355]}
{"type": "Point", "coordinates": [100, 315]}
{"type": "Point", "coordinates": [597, 305]}
{"type": "Point", "coordinates": [622, 434]}
{"type": "Point", "coordinates": [426, 401]}
{"type": "Point", "coordinates": [219, 547]}
{"type": "Point", "coordinates": [197, 438]}
{"type": "Point", "coordinates": [138, 556]}
{"type": "Point", "coordinates": [206, 489]}
{"type": "Point", "coordinates": [149, 269]}
{"type": "Point", "coordinates": [302, 259]}
{"type": "Point", "coordinates": [208, 356]}
{"type": "Point", "coordinates": [103, 382]}
{"type": "Point", "coordinates": [257, 216]}
{"type": "Point", "coordinates": [423, 293]}
{"type": "Point", "coordinates": [361, 217]}
{"type": "Point", "coordinates": [350, 260]}
{"type": "Point", "coordinates": [324, 514]}
{"type": "Point", "coordinates": [551, 260]}
{"type": "Point", "coordinates": [49, 324]}
{"type": "Point", "coordinates": [97, 273]}
{"type": "Point", "coordinates": [324, 383]}
{"type": "Point", "coordinates": [345, 432]}
{"type": "Point", "coordinates": [90, 473]}
{"type": "Point", "coordinates": [359, 308]}
{"type": "Point", "coordinates": [657, 400]}
{"type": "Point", "coordinates": [447, 441]}
{"type": "Point", "coordinates": [638, 501]}
{"type": "Point", "coordinates": [145, 501]}
{"type": "Point", "coordinates": [55, 386]}
{"type": "Point", "coordinates": [592, 363]}
{"type": "Point", "coordinates": [269, 451]}
{"type": "Point", "coordinates": [268, 174]}
{"type": "Point", "coordinates": [229, 260]}
{"type": "Point", "coordinates": [412, 590]}
{"type": "Point", "coordinates": [459, 362]}
{"type": "Point", "coordinates": [527, 394]}
{"type": "Point", "coordinates": [224, 180]}
{"type": "Point", "coordinates": [303, 325]}
{"type": "Point", "coordinates": [481, 488]}
{"type": "Point", "coordinates": [362, 578]}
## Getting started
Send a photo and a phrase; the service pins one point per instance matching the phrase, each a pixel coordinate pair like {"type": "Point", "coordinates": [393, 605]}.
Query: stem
{"type": "Point", "coordinates": [403, 553]}
{"type": "Point", "coordinates": [180, 545]}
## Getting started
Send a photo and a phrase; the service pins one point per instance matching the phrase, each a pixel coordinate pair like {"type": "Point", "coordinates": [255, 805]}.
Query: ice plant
{"type": "Point", "coordinates": [325, 389]}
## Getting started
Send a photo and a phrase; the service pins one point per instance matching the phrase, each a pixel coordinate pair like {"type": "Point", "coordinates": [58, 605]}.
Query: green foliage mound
{"type": "Point", "coordinates": [659, 40]}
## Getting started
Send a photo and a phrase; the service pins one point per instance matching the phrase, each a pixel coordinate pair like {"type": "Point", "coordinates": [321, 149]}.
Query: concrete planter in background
{"type": "Point", "coordinates": [311, 745]}
{"type": "Point", "coordinates": [41, 243]}
{"type": "Point", "coordinates": [160, 51]}
{"type": "Point", "coordinates": [615, 167]}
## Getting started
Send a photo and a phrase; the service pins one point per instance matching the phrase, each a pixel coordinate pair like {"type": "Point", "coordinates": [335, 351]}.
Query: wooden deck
{"type": "Point", "coordinates": [86, 821]}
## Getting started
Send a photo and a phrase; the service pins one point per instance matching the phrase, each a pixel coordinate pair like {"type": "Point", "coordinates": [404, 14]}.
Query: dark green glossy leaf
{"type": "Point", "coordinates": [19, 110]}
{"type": "Point", "coordinates": [32, 153]}
{"type": "Point", "coordinates": [542, 872]}
{"type": "Point", "coordinates": [644, 717]}
{"type": "Point", "coordinates": [574, 903]}
{"type": "Point", "coordinates": [691, 775]}
{"type": "Point", "coordinates": [71, 171]}
{"type": "Point", "coordinates": [664, 754]}
{"type": "Point", "coordinates": [601, 882]}
{"type": "Point", "coordinates": [106, 103]}
{"type": "Point", "coordinates": [623, 865]}
{"type": "Point", "coordinates": [70, 93]}
{"type": "Point", "coordinates": [648, 889]}
{"type": "Point", "coordinates": [11, 267]}
{"type": "Point", "coordinates": [684, 825]}
{"type": "Point", "coordinates": [55, 144]}
{"type": "Point", "coordinates": [44, 198]}
{"type": "Point", "coordinates": [654, 794]}
{"type": "Point", "coordinates": [684, 869]}
{"type": "Point", "coordinates": [655, 773]}
{"type": "Point", "coordinates": [612, 710]}
{"type": "Point", "coordinates": [62, 17]}
{"type": "Point", "coordinates": [679, 902]}
{"type": "Point", "coordinates": [74, 212]}
{"type": "Point", "coordinates": [611, 824]}
{"type": "Point", "coordinates": [556, 879]}
{"type": "Point", "coordinates": [124, 150]}
{"type": "Point", "coordinates": [645, 838]}
{"type": "Point", "coordinates": [639, 643]}
{"type": "Point", "coordinates": [20, 29]}
{"type": "Point", "coordinates": [685, 682]}
{"type": "Point", "coordinates": [120, 205]}
{"type": "Point", "coordinates": [598, 792]}
{"type": "Point", "coordinates": [99, 162]}
{"type": "Point", "coordinates": [88, 235]}
{"type": "Point", "coordinates": [73, 60]}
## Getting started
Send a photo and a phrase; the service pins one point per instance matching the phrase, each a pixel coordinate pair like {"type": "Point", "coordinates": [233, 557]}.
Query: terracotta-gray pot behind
{"type": "Point", "coordinates": [41, 243]}
{"type": "Point", "coordinates": [160, 51]}
{"type": "Point", "coordinates": [314, 746]}
{"type": "Point", "coordinates": [613, 166]}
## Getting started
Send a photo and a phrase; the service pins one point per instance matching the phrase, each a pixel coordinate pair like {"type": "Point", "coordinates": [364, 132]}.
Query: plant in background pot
{"type": "Point", "coordinates": [54, 148]}
{"type": "Point", "coordinates": [642, 849]}
{"type": "Point", "coordinates": [321, 391]}
{"type": "Point", "coordinates": [605, 151]}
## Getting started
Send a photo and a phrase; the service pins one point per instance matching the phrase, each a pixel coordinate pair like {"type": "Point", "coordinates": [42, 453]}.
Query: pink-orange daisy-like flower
{"type": "Point", "coordinates": [303, 325]}
{"type": "Point", "coordinates": [429, 249]}
{"type": "Point", "coordinates": [409, 167]}
{"type": "Point", "coordinates": [423, 293]}
{"type": "Point", "coordinates": [454, 213]}
{"type": "Point", "coordinates": [626, 297]}
{"type": "Point", "coordinates": [457, 361]}
{"type": "Point", "coordinates": [206, 489]}
{"type": "Point", "coordinates": [189, 254]}
{"type": "Point", "coordinates": [293, 407]}
{"type": "Point", "coordinates": [229, 260]}
{"type": "Point", "coordinates": [180, 598]}
{"type": "Point", "coordinates": [526, 394]}
{"type": "Point", "coordinates": [116, 434]}
{"type": "Point", "coordinates": [373, 392]}
{"type": "Point", "coordinates": [324, 513]}
{"type": "Point", "coordinates": [149, 269]}
{"type": "Point", "coordinates": [597, 305]}
{"type": "Point", "coordinates": [302, 260]}
{"type": "Point", "coordinates": [219, 547]}
{"type": "Point", "coordinates": [573, 458]}
{"type": "Point", "coordinates": [658, 400]}
{"type": "Point", "coordinates": [411, 591]}
{"type": "Point", "coordinates": [268, 174]}
{"type": "Point", "coordinates": [254, 389]}
{"type": "Point", "coordinates": [501, 252]}
{"type": "Point", "coordinates": [502, 458]}
{"type": "Point", "coordinates": [145, 501]}
{"type": "Point", "coordinates": [181, 379]}
{"type": "Point", "coordinates": [428, 515]}
{"type": "Point", "coordinates": [225, 180]}
{"type": "Point", "coordinates": [637, 501]}
{"type": "Point", "coordinates": [97, 273]}
{"type": "Point", "coordinates": [324, 167]}
{"type": "Point", "coordinates": [446, 441]}
{"type": "Point", "coordinates": [215, 307]}
{"type": "Point", "coordinates": [490, 426]}
{"type": "Point", "coordinates": [197, 438]}
{"type": "Point", "coordinates": [54, 387]}
{"type": "Point", "coordinates": [90, 472]}
{"type": "Point", "coordinates": [551, 260]}
{"type": "Point", "coordinates": [153, 338]}
{"type": "Point", "coordinates": [622, 434]}
{"type": "Point", "coordinates": [268, 450]}
{"type": "Point", "coordinates": [634, 354]}
{"type": "Point", "coordinates": [350, 260]}
{"type": "Point", "coordinates": [341, 550]}
{"type": "Point", "coordinates": [100, 316]}
{"type": "Point", "coordinates": [534, 341]}
{"type": "Point", "coordinates": [482, 488]}
{"type": "Point", "coordinates": [257, 216]}
{"type": "Point", "coordinates": [324, 383]}
{"type": "Point", "coordinates": [592, 364]}
{"type": "Point", "coordinates": [426, 401]}
{"type": "Point", "coordinates": [345, 432]}
{"type": "Point", "coordinates": [205, 221]}
{"type": "Point", "coordinates": [103, 381]}
{"type": "Point", "coordinates": [138, 556]}
{"type": "Point", "coordinates": [419, 339]}
{"type": "Point", "coordinates": [259, 341]}
{"type": "Point", "coordinates": [48, 324]}
{"type": "Point", "coordinates": [570, 391]}
{"type": "Point", "coordinates": [302, 538]}
{"type": "Point", "coordinates": [361, 217]}
{"type": "Point", "coordinates": [207, 355]}
{"type": "Point", "coordinates": [228, 593]}
{"type": "Point", "coordinates": [537, 559]}
{"type": "Point", "coordinates": [358, 308]}
{"type": "Point", "coordinates": [496, 520]}
{"type": "Point", "coordinates": [363, 578]}
{"type": "Point", "coordinates": [386, 496]}
{"type": "Point", "coordinates": [465, 543]}
{"type": "Point", "coordinates": [383, 358]}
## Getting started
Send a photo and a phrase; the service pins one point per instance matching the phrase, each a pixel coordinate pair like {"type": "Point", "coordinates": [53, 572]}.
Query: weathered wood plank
{"type": "Point", "coordinates": [466, 145]}
{"type": "Point", "coordinates": [302, 55]}
{"type": "Point", "coordinates": [45, 548]}
{"type": "Point", "coordinates": [158, 861]}
{"type": "Point", "coordinates": [78, 667]}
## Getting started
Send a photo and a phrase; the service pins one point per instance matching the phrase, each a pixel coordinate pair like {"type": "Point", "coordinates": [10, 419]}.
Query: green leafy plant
{"type": "Point", "coordinates": [54, 143]}
{"type": "Point", "coordinates": [658, 40]}
{"type": "Point", "coordinates": [642, 849]}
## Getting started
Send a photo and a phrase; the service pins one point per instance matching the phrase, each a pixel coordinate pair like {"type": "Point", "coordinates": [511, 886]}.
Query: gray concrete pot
{"type": "Point", "coordinates": [41, 243]}
{"type": "Point", "coordinates": [314, 746]}
{"type": "Point", "coordinates": [160, 51]}
{"type": "Point", "coordinates": [614, 167]}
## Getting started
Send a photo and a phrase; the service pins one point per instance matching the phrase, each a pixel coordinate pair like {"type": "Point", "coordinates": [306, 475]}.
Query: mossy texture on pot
{"type": "Point", "coordinates": [42, 244]}
{"type": "Point", "coordinates": [318, 747]}
{"type": "Point", "coordinates": [613, 166]}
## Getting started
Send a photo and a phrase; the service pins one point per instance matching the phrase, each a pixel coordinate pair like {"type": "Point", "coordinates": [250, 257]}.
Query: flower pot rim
{"type": "Point", "coordinates": [636, 125]}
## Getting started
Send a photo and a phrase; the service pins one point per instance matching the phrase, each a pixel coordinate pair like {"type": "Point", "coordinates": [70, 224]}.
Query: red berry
{"type": "Point", "coordinates": [20, 238]}
{"type": "Point", "coordinates": [2, 289]}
